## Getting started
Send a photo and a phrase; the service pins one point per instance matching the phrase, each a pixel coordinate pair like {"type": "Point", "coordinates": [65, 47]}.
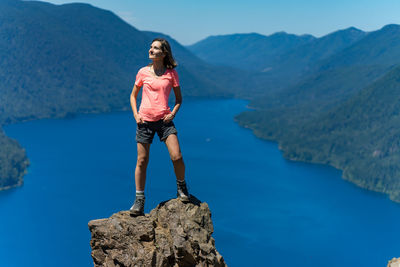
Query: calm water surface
{"type": "Point", "coordinates": [266, 211]}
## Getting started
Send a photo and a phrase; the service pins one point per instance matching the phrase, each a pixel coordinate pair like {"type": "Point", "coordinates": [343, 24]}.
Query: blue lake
{"type": "Point", "coordinates": [266, 211]}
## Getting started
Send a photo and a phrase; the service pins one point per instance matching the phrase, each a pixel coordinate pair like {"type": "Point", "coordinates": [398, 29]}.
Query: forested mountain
{"type": "Point", "coordinates": [361, 136]}
{"type": "Point", "coordinates": [344, 114]}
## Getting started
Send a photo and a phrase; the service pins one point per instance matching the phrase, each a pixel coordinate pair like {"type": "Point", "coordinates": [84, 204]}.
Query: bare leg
{"type": "Point", "coordinates": [143, 153]}
{"type": "Point", "coordinates": [176, 156]}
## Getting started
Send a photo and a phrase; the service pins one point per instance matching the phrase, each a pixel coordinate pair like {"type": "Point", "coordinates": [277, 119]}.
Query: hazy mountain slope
{"type": "Point", "coordinates": [346, 115]}
{"type": "Point", "coordinates": [380, 47]}
{"type": "Point", "coordinates": [362, 137]}
{"type": "Point", "coordinates": [298, 61]}
{"type": "Point", "coordinates": [251, 51]}
{"type": "Point", "coordinates": [278, 60]}
{"type": "Point", "coordinates": [336, 78]}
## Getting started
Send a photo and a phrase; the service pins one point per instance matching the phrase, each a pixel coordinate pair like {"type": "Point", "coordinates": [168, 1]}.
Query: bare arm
{"type": "Point", "coordinates": [134, 94]}
{"type": "Point", "coordinates": [178, 103]}
{"type": "Point", "coordinates": [178, 100]}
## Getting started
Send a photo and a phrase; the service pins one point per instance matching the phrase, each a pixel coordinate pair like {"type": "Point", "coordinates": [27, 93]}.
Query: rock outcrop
{"type": "Point", "coordinates": [173, 234]}
{"type": "Point", "coordinates": [394, 262]}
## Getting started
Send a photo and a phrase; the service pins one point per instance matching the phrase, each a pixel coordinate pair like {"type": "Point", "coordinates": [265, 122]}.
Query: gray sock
{"type": "Point", "coordinates": [140, 194]}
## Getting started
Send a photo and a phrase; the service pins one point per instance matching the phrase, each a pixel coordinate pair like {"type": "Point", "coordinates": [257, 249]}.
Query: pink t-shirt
{"type": "Point", "coordinates": [156, 90]}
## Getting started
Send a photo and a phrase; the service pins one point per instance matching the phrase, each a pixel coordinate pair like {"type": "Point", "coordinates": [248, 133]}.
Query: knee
{"type": "Point", "coordinates": [142, 161]}
{"type": "Point", "coordinates": [176, 158]}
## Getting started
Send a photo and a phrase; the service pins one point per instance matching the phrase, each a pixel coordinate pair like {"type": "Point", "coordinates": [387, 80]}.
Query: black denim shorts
{"type": "Point", "coordinates": [145, 131]}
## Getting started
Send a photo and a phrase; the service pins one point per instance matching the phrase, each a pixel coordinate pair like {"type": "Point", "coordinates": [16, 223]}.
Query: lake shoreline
{"type": "Point", "coordinates": [392, 195]}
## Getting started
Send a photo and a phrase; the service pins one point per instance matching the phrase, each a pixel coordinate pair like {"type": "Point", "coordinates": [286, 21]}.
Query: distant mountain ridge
{"type": "Point", "coordinates": [250, 51]}
{"type": "Point", "coordinates": [333, 79]}
{"type": "Point", "coordinates": [377, 47]}
{"type": "Point", "coordinates": [282, 58]}
{"type": "Point", "coordinates": [300, 60]}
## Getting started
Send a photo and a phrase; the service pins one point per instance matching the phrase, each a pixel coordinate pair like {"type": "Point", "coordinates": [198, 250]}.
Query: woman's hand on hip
{"type": "Point", "coordinates": [169, 117]}
{"type": "Point", "coordinates": [138, 119]}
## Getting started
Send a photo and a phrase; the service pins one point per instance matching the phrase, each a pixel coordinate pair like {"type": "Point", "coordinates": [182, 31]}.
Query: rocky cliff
{"type": "Point", "coordinates": [173, 234]}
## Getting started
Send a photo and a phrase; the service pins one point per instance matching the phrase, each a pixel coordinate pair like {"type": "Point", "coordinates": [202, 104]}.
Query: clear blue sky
{"type": "Point", "coordinates": [189, 21]}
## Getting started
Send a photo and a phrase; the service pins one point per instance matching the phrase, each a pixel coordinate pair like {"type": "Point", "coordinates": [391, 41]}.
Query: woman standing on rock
{"type": "Point", "coordinates": [157, 80]}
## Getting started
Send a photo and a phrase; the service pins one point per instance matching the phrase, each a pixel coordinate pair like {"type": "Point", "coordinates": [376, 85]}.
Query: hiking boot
{"type": "Point", "coordinates": [138, 207]}
{"type": "Point", "coordinates": [182, 192]}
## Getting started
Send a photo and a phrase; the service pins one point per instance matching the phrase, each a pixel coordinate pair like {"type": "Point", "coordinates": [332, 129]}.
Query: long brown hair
{"type": "Point", "coordinates": [169, 61]}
